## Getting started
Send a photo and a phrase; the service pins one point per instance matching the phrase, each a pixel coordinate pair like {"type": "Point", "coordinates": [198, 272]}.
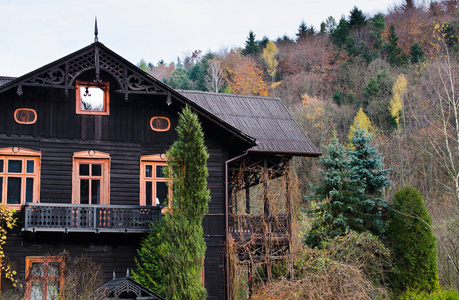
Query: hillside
{"type": "Point", "coordinates": [400, 68]}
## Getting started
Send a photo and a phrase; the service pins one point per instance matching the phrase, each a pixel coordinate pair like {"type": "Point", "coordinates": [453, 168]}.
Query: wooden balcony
{"type": "Point", "coordinates": [257, 237]}
{"type": "Point", "coordinates": [89, 218]}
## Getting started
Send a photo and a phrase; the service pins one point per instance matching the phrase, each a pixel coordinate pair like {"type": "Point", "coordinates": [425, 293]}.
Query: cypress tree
{"type": "Point", "coordinates": [413, 243]}
{"type": "Point", "coordinates": [183, 246]}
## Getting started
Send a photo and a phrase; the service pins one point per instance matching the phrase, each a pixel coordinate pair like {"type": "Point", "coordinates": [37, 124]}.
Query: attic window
{"type": "Point", "coordinates": [160, 124]}
{"type": "Point", "coordinates": [25, 116]}
{"type": "Point", "coordinates": [92, 98]}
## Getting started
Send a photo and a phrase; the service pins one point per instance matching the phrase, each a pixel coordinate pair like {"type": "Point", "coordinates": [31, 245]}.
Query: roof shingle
{"type": "Point", "coordinates": [264, 118]}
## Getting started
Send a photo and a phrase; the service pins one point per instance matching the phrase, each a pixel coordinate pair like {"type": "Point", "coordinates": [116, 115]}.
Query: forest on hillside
{"type": "Point", "coordinates": [400, 68]}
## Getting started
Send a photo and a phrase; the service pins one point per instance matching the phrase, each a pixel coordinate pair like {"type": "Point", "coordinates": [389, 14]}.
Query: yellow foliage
{"type": "Point", "coordinates": [361, 122]}
{"type": "Point", "coordinates": [269, 56]}
{"type": "Point", "coordinates": [314, 110]}
{"type": "Point", "coordinates": [396, 103]}
{"type": "Point", "coordinates": [7, 221]}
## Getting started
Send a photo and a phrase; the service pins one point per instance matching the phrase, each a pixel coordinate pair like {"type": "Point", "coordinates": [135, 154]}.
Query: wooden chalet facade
{"type": "Point", "coordinates": [82, 143]}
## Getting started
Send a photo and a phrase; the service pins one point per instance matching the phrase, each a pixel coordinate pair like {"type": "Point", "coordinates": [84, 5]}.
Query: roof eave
{"type": "Point", "coordinates": [285, 153]}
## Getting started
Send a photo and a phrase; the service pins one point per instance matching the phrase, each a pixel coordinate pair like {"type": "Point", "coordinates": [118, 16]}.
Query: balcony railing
{"type": "Point", "coordinates": [89, 218]}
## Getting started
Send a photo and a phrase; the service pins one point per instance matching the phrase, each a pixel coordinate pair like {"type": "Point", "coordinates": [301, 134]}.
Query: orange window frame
{"type": "Point", "coordinates": [45, 278]}
{"type": "Point", "coordinates": [105, 86]}
{"type": "Point", "coordinates": [91, 157]}
{"type": "Point", "coordinates": [153, 161]}
{"type": "Point", "coordinates": [23, 155]}
{"type": "Point", "coordinates": [159, 129]}
{"type": "Point", "coordinates": [25, 122]}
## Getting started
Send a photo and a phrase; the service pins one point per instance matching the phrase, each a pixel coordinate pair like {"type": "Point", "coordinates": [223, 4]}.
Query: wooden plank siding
{"type": "Point", "coordinates": [126, 136]}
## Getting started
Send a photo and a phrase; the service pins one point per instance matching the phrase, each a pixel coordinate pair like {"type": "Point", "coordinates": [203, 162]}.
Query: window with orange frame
{"type": "Point", "coordinates": [43, 277]}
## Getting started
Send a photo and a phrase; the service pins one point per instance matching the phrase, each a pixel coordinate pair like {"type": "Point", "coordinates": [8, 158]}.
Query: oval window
{"type": "Point", "coordinates": [25, 116]}
{"type": "Point", "coordinates": [160, 124]}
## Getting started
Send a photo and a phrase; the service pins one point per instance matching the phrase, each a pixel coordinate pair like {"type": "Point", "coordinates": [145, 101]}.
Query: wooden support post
{"type": "Point", "coordinates": [247, 197]}
{"type": "Point", "coordinates": [289, 217]}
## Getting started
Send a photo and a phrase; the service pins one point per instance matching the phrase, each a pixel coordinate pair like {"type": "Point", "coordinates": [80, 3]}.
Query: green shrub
{"type": "Point", "coordinates": [439, 295]}
{"type": "Point", "coordinates": [414, 245]}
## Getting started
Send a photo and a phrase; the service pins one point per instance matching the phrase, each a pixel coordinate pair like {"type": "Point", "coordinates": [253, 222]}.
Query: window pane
{"type": "Point", "coordinates": [84, 191]}
{"type": "Point", "coordinates": [37, 290]}
{"type": "Point", "coordinates": [14, 166]}
{"type": "Point", "coordinates": [161, 193]}
{"type": "Point", "coordinates": [148, 170]}
{"type": "Point", "coordinates": [54, 269]}
{"type": "Point", "coordinates": [1, 189]}
{"type": "Point", "coordinates": [1, 165]}
{"type": "Point", "coordinates": [159, 172]}
{"type": "Point", "coordinates": [30, 166]}
{"type": "Point", "coordinates": [29, 190]}
{"type": "Point", "coordinates": [95, 191]}
{"type": "Point", "coordinates": [38, 269]}
{"type": "Point", "coordinates": [96, 170]}
{"type": "Point", "coordinates": [13, 191]}
{"type": "Point", "coordinates": [53, 290]}
{"type": "Point", "coordinates": [92, 98]}
{"type": "Point", "coordinates": [148, 193]}
{"type": "Point", "coordinates": [84, 169]}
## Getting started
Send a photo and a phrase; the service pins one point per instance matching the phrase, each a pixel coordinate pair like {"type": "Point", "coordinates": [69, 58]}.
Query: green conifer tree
{"type": "Point", "coordinates": [416, 53]}
{"type": "Point", "coordinates": [357, 18]}
{"type": "Point", "coordinates": [366, 169]}
{"type": "Point", "coordinates": [394, 53]}
{"type": "Point", "coordinates": [148, 271]}
{"type": "Point", "coordinates": [183, 246]}
{"type": "Point", "coordinates": [341, 32]}
{"type": "Point", "coordinates": [251, 47]}
{"type": "Point", "coordinates": [339, 196]}
{"type": "Point", "coordinates": [377, 29]}
{"type": "Point", "coordinates": [413, 243]}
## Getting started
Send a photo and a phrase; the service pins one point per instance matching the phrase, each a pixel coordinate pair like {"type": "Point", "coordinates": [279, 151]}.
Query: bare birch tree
{"type": "Point", "coordinates": [214, 79]}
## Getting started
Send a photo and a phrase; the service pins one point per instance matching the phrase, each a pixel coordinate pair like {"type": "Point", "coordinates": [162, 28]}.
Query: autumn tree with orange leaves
{"type": "Point", "coordinates": [243, 75]}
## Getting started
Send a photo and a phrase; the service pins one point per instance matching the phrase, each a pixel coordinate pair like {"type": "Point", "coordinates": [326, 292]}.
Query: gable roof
{"type": "Point", "coordinates": [263, 123]}
{"type": "Point", "coordinates": [132, 80]}
{"type": "Point", "coordinates": [264, 118]}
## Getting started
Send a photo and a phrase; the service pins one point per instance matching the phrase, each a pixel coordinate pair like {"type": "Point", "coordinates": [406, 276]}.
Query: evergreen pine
{"type": "Point", "coordinates": [183, 246]}
{"type": "Point", "coordinates": [366, 169]}
{"type": "Point", "coordinates": [341, 32]}
{"type": "Point", "coordinates": [251, 47]}
{"type": "Point", "coordinates": [414, 244]}
{"type": "Point", "coordinates": [378, 26]}
{"type": "Point", "coordinates": [148, 271]}
{"type": "Point", "coordinates": [416, 53]}
{"type": "Point", "coordinates": [337, 194]}
{"type": "Point", "coordinates": [393, 51]}
{"type": "Point", "coordinates": [302, 31]}
{"type": "Point", "coordinates": [357, 18]}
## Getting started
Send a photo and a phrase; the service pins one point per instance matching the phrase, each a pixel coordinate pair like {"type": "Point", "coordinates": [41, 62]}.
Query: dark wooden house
{"type": "Point", "coordinates": [82, 143]}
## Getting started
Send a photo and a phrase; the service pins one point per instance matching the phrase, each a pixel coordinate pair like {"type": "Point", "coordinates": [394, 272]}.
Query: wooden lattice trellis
{"type": "Point", "coordinates": [260, 218]}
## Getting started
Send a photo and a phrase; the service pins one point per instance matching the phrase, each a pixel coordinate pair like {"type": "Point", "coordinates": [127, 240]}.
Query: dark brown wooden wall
{"type": "Point", "coordinates": [126, 135]}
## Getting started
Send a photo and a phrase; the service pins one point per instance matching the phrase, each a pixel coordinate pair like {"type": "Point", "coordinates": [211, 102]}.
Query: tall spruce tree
{"type": "Point", "coordinates": [339, 197]}
{"type": "Point", "coordinates": [414, 244]}
{"type": "Point", "coordinates": [183, 246]}
{"type": "Point", "coordinates": [340, 33]}
{"type": "Point", "coordinates": [394, 53]}
{"type": "Point", "coordinates": [251, 46]}
{"type": "Point", "coordinates": [366, 168]}
{"type": "Point", "coordinates": [357, 18]}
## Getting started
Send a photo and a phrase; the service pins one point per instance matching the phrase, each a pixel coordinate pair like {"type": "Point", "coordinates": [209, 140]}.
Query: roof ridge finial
{"type": "Point", "coordinates": [96, 32]}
